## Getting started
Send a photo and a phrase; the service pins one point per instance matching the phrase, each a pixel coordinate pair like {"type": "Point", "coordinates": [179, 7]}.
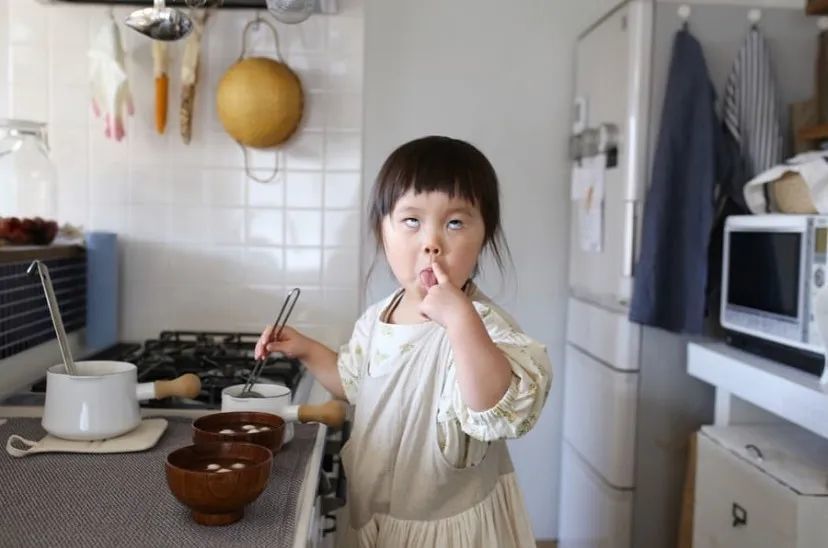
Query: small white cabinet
{"type": "Point", "coordinates": [761, 486]}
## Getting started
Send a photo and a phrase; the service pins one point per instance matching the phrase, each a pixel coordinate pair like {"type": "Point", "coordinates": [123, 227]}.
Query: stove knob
{"type": "Point", "coordinates": [327, 463]}
{"type": "Point", "coordinates": [325, 485]}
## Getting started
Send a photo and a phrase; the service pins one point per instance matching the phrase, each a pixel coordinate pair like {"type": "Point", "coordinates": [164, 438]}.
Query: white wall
{"type": "Point", "coordinates": [499, 75]}
{"type": "Point", "coordinates": [203, 246]}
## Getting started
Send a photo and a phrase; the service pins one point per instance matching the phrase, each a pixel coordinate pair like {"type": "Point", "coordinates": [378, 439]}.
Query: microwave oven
{"type": "Point", "coordinates": [773, 266]}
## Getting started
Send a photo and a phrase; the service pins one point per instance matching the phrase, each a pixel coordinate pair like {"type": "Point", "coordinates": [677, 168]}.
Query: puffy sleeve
{"type": "Point", "coordinates": [519, 408]}
{"type": "Point", "coordinates": [351, 360]}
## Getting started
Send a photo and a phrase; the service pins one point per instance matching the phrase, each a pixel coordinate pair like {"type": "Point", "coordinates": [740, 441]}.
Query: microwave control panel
{"type": "Point", "coordinates": [819, 251]}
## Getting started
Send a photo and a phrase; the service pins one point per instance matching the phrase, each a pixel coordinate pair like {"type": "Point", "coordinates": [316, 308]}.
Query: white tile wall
{"type": "Point", "coordinates": [204, 247]}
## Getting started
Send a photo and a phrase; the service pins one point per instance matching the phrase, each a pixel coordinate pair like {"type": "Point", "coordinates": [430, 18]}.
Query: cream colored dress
{"type": "Point", "coordinates": [423, 469]}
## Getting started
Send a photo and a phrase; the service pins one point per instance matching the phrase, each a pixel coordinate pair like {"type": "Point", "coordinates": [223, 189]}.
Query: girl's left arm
{"type": "Point", "coordinates": [483, 372]}
{"type": "Point", "coordinates": [519, 409]}
{"type": "Point", "coordinates": [501, 376]}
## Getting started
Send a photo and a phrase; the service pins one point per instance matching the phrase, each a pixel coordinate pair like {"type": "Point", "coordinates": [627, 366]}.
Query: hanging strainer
{"type": "Point", "coordinates": [291, 11]}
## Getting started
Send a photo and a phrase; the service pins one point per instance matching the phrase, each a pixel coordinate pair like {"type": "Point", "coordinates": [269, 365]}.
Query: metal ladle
{"type": "Point", "coordinates": [54, 310]}
{"type": "Point", "coordinates": [246, 391]}
{"type": "Point", "coordinates": [160, 22]}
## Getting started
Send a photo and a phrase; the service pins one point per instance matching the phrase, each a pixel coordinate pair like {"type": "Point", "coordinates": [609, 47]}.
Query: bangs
{"type": "Point", "coordinates": [432, 164]}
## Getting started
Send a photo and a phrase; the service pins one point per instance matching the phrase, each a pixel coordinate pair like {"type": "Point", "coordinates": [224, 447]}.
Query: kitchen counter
{"type": "Point", "coordinates": [306, 520]}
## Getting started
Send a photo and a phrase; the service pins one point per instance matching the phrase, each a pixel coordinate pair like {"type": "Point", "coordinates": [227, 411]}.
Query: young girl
{"type": "Point", "coordinates": [439, 376]}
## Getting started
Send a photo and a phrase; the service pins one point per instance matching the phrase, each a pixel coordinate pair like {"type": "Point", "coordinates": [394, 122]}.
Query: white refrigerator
{"type": "Point", "coordinates": [629, 405]}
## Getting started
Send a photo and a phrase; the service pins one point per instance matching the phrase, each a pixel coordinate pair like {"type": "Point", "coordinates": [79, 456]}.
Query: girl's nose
{"type": "Point", "coordinates": [431, 241]}
{"type": "Point", "coordinates": [432, 246]}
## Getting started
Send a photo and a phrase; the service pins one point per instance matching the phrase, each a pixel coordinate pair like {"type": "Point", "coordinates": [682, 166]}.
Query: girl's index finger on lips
{"type": "Point", "coordinates": [440, 274]}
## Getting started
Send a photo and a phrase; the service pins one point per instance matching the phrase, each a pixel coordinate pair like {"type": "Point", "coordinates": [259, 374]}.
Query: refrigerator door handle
{"type": "Point", "coordinates": [640, 41]}
{"type": "Point", "coordinates": [628, 261]}
{"type": "Point", "coordinates": [630, 219]}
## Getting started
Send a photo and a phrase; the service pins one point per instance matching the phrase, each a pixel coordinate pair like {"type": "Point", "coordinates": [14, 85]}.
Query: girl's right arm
{"type": "Point", "coordinates": [318, 358]}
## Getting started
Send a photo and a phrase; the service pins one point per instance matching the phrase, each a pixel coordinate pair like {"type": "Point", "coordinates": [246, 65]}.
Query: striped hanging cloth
{"type": "Point", "coordinates": [752, 114]}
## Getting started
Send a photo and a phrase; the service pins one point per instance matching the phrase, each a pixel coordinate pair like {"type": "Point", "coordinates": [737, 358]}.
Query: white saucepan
{"type": "Point", "coordinates": [102, 400]}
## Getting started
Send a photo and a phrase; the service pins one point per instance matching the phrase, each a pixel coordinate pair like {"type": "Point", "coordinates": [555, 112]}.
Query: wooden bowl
{"type": "Point", "coordinates": [208, 428]}
{"type": "Point", "coordinates": [215, 497]}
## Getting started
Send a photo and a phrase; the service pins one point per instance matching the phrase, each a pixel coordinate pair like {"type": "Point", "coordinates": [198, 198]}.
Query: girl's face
{"type": "Point", "coordinates": [428, 227]}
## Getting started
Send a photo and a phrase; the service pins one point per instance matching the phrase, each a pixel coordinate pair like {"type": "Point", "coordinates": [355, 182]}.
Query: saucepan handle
{"type": "Point", "coordinates": [331, 413]}
{"type": "Point", "coordinates": [185, 386]}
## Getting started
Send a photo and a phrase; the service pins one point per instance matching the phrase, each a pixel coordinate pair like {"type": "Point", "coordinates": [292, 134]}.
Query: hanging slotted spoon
{"type": "Point", "coordinates": [160, 22]}
{"type": "Point", "coordinates": [246, 391]}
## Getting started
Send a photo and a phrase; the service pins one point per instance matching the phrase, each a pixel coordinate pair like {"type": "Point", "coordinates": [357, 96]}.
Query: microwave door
{"type": "Point", "coordinates": [765, 274]}
{"type": "Point", "coordinates": [764, 277]}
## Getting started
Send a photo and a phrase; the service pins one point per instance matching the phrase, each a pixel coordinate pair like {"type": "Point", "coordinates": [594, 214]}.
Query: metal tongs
{"type": "Point", "coordinates": [287, 308]}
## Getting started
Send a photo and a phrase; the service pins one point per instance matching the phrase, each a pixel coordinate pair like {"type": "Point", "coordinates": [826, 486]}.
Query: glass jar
{"type": "Point", "coordinates": [28, 179]}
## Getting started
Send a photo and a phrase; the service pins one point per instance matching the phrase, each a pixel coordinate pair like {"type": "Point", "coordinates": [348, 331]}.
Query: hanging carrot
{"type": "Point", "coordinates": [159, 63]}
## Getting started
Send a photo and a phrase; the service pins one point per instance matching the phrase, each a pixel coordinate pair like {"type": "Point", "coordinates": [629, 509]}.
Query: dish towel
{"type": "Point", "coordinates": [751, 111]}
{"type": "Point", "coordinates": [671, 274]}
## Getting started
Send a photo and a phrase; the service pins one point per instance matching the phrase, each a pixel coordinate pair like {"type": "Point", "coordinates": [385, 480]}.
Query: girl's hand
{"type": "Point", "coordinates": [291, 343]}
{"type": "Point", "coordinates": [444, 303]}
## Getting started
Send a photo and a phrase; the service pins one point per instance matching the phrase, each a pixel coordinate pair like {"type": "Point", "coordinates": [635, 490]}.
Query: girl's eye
{"type": "Point", "coordinates": [455, 224]}
{"type": "Point", "coordinates": [411, 222]}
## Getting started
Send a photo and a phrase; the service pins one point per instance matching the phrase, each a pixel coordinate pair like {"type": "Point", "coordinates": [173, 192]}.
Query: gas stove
{"type": "Point", "coordinates": [220, 359]}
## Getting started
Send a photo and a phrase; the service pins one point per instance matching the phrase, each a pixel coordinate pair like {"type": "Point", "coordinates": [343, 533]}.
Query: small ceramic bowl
{"type": "Point", "coordinates": [264, 429]}
{"type": "Point", "coordinates": [217, 480]}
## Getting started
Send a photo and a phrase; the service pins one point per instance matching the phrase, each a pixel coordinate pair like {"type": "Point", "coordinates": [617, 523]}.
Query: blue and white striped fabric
{"type": "Point", "coordinates": [751, 112]}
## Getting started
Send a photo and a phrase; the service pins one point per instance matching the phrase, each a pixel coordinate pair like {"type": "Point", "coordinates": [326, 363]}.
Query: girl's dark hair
{"type": "Point", "coordinates": [437, 163]}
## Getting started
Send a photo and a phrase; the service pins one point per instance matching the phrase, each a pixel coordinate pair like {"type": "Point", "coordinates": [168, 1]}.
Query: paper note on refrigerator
{"type": "Point", "coordinates": [579, 181]}
{"type": "Point", "coordinates": [588, 199]}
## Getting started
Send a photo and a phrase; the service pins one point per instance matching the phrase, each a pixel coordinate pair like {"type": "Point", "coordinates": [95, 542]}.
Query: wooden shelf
{"type": "Point", "coordinates": [817, 7]}
{"type": "Point", "coordinates": [813, 133]}
{"type": "Point", "coordinates": [16, 254]}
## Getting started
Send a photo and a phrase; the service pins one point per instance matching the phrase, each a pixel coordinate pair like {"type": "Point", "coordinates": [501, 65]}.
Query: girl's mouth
{"type": "Point", "coordinates": [427, 278]}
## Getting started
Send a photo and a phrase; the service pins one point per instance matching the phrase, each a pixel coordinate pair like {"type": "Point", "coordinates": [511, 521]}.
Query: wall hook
{"type": "Point", "coordinates": [684, 14]}
{"type": "Point", "coordinates": [754, 16]}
